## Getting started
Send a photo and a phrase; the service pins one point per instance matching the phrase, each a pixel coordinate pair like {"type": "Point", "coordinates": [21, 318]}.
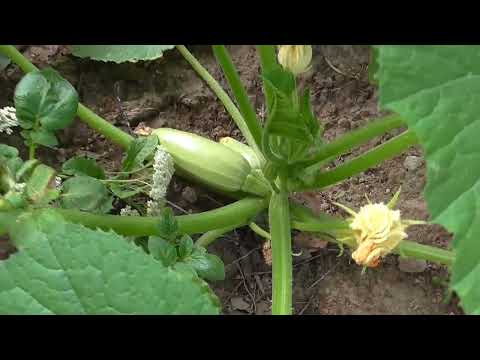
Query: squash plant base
{"type": "Point", "coordinates": [341, 289]}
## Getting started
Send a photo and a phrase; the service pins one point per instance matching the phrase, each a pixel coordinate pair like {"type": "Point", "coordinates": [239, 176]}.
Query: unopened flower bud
{"type": "Point", "coordinates": [295, 58]}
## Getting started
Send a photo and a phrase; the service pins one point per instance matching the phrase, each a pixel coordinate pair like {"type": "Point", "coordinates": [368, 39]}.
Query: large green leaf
{"type": "Point", "coordinates": [81, 165]}
{"type": "Point", "coordinates": [86, 193]}
{"type": "Point", "coordinates": [436, 89]}
{"type": "Point", "coordinates": [64, 268]}
{"type": "Point", "coordinates": [44, 98]}
{"type": "Point", "coordinates": [120, 53]}
{"type": "Point", "coordinates": [10, 158]}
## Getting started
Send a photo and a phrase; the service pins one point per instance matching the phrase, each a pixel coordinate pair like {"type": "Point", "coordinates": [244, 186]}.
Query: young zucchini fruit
{"type": "Point", "coordinates": [211, 163]}
{"type": "Point", "coordinates": [246, 151]}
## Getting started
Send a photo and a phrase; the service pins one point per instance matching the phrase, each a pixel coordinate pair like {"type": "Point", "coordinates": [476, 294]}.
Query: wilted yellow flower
{"type": "Point", "coordinates": [295, 58]}
{"type": "Point", "coordinates": [377, 229]}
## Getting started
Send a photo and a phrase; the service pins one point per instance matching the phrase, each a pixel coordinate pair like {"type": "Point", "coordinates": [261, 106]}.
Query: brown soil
{"type": "Point", "coordinates": [168, 93]}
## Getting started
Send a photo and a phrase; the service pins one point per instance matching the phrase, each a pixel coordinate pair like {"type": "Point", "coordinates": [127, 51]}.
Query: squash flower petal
{"type": "Point", "coordinates": [295, 58]}
{"type": "Point", "coordinates": [377, 230]}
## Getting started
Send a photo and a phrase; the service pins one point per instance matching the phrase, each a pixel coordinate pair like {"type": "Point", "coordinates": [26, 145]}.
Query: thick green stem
{"type": "Point", "coordinates": [280, 231]}
{"type": "Point", "coordinates": [101, 125]}
{"type": "Point", "coordinates": [236, 214]}
{"type": "Point", "coordinates": [239, 92]}
{"type": "Point", "coordinates": [353, 167]}
{"type": "Point", "coordinates": [31, 151]}
{"type": "Point", "coordinates": [16, 56]}
{"type": "Point", "coordinates": [96, 122]}
{"type": "Point", "coordinates": [222, 95]}
{"type": "Point", "coordinates": [212, 235]}
{"type": "Point", "coordinates": [305, 220]}
{"type": "Point", "coordinates": [355, 138]}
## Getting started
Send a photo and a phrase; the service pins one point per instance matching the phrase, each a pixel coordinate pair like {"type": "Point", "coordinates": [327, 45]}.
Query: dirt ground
{"type": "Point", "coordinates": [168, 93]}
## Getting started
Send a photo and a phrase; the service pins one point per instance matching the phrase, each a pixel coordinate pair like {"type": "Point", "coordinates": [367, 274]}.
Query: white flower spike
{"type": "Point", "coordinates": [163, 167]}
{"type": "Point", "coordinates": [129, 211]}
{"type": "Point", "coordinates": [8, 119]}
{"type": "Point", "coordinates": [377, 230]}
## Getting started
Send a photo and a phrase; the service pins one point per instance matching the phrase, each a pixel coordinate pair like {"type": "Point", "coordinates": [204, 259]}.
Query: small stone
{"type": "Point", "coordinates": [411, 265]}
{"type": "Point", "coordinates": [262, 308]}
{"type": "Point", "coordinates": [189, 194]}
{"type": "Point", "coordinates": [412, 163]}
{"type": "Point", "coordinates": [345, 124]}
{"type": "Point", "coordinates": [239, 304]}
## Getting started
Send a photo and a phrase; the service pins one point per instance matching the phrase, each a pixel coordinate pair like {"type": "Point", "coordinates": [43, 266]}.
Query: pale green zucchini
{"type": "Point", "coordinates": [212, 163]}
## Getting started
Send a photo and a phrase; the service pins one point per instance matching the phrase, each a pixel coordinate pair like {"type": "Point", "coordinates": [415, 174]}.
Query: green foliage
{"type": "Point", "coordinates": [434, 88]}
{"type": "Point", "coordinates": [44, 102]}
{"type": "Point", "coordinates": [39, 187]}
{"type": "Point", "coordinates": [291, 133]}
{"type": "Point", "coordinates": [173, 249]}
{"type": "Point", "coordinates": [120, 53]}
{"type": "Point", "coordinates": [81, 165]}
{"type": "Point", "coordinates": [185, 246]}
{"type": "Point", "coordinates": [141, 149]}
{"type": "Point", "coordinates": [162, 250]}
{"type": "Point", "coordinates": [44, 97]}
{"type": "Point", "coordinates": [26, 169]}
{"type": "Point", "coordinates": [168, 225]}
{"type": "Point", "coordinates": [64, 268]}
{"type": "Point", "coordinates": [39, 136]}
{"type": "Point", "coordinates": [8, 151]}
{"type": "Point", "coordinates": [86, 193]}
{"type": "Point", "coordinates": [207, 266]}
{"type": "Point", "coordinates": [125, 190]}
{"type": "Point", "coordinates": [135, 170]}
{"type": "Point", "coordinates": [10, 158]}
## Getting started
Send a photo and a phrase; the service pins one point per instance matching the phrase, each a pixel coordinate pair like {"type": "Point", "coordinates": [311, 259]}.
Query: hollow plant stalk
{"type": "Point", "coordinates": [280, 232]}
{"type": "Point", "coordinates": [234, 215]}
{"type": "Point", "coordinates": [374, 157]}
{"type": "Point", "coordinates": [354, 138]}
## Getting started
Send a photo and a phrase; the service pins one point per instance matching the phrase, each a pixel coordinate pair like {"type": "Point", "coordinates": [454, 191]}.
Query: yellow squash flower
{"type": "Point", "coordinates": [377, 230]}
{"type": "Point", "coordinates": [295, 58]}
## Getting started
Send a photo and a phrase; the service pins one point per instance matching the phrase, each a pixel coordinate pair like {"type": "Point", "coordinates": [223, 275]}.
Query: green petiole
{"type": "Point", "coordinates": [353, 167]}
{"type": "Point", "coordinates": [259, 231]}
{"type": "Point", "coordinates": [355, 138]}
{"type": "Point", "coordinates": [239, 92]}
{"type": "Point", "coordinates": [212, 235]}
{"type": "Point", "coordinates": [96, 122]}
{"type": "Point", "coordinates": [222, 95]}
